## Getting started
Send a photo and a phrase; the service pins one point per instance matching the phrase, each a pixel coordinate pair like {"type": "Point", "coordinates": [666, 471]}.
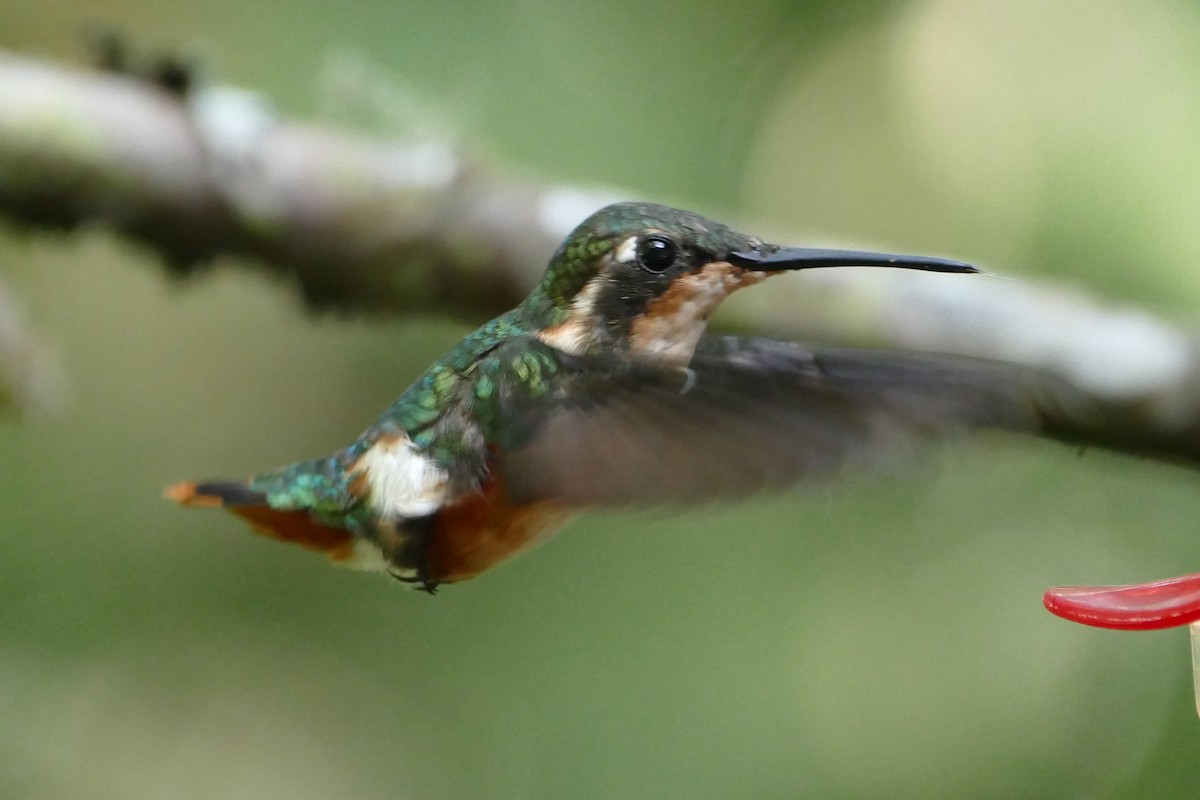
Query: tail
{"type": "Point", "coordinates": [285, 525]}
{"type": "Point", "coordinates": [215, 494]}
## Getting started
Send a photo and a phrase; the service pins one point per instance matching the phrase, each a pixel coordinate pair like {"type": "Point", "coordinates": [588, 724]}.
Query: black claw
{"type": "Point", "coordinates": [419, 582]}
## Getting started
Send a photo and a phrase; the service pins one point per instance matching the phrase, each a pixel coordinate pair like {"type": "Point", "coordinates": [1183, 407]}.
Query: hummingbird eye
{"type": "Point", "coordinates": [656, 253]}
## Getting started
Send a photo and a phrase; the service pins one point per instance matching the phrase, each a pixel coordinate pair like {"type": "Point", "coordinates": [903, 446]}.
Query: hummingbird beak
{"type": "Point", "coordinates": [768, 258]}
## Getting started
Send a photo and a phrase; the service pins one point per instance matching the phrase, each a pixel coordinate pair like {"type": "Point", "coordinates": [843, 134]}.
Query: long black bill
{"type": "Point", "coordinates": [780, 258]}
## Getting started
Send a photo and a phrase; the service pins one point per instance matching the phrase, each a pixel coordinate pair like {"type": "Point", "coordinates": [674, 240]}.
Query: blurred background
{"type": "Point", "coordinates": [880, 639]}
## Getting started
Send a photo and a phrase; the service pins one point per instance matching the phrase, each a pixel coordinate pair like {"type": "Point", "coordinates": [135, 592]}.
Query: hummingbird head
{"type": "Point", "coordinates": [645, 278]}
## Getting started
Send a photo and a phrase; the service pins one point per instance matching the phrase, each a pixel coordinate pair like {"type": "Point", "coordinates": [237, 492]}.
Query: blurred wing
{"type": "Point", "coordinates": [748, 414]}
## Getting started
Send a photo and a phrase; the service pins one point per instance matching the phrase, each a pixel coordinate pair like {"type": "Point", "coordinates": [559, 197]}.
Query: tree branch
{"type": "Point", "coordinates": [388, 226]}
{"type": "Point", "coordinates": [361, 224]}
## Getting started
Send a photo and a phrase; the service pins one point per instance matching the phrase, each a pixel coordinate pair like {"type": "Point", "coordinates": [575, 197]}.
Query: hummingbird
{"type": "Point", "coordinates": [601, 389]}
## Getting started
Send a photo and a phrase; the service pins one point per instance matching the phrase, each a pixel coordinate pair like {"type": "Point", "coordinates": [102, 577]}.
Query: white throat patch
{"type": "Point", "coordinates": [672, 324]}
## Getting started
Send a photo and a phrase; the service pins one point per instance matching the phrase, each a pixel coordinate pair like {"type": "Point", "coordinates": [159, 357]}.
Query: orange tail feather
{"type": "Point", "coordinates": [296, 526]}
{"type": "Point", "coordinates": [184, 493]}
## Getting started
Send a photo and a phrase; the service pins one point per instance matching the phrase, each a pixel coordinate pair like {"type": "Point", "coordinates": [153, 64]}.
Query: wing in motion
{"type": "Point", "coordinates": [750, 413]}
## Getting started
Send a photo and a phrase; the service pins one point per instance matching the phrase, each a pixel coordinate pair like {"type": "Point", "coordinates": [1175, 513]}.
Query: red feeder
{"type": "Point", "coordinates": [1136, 607]}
